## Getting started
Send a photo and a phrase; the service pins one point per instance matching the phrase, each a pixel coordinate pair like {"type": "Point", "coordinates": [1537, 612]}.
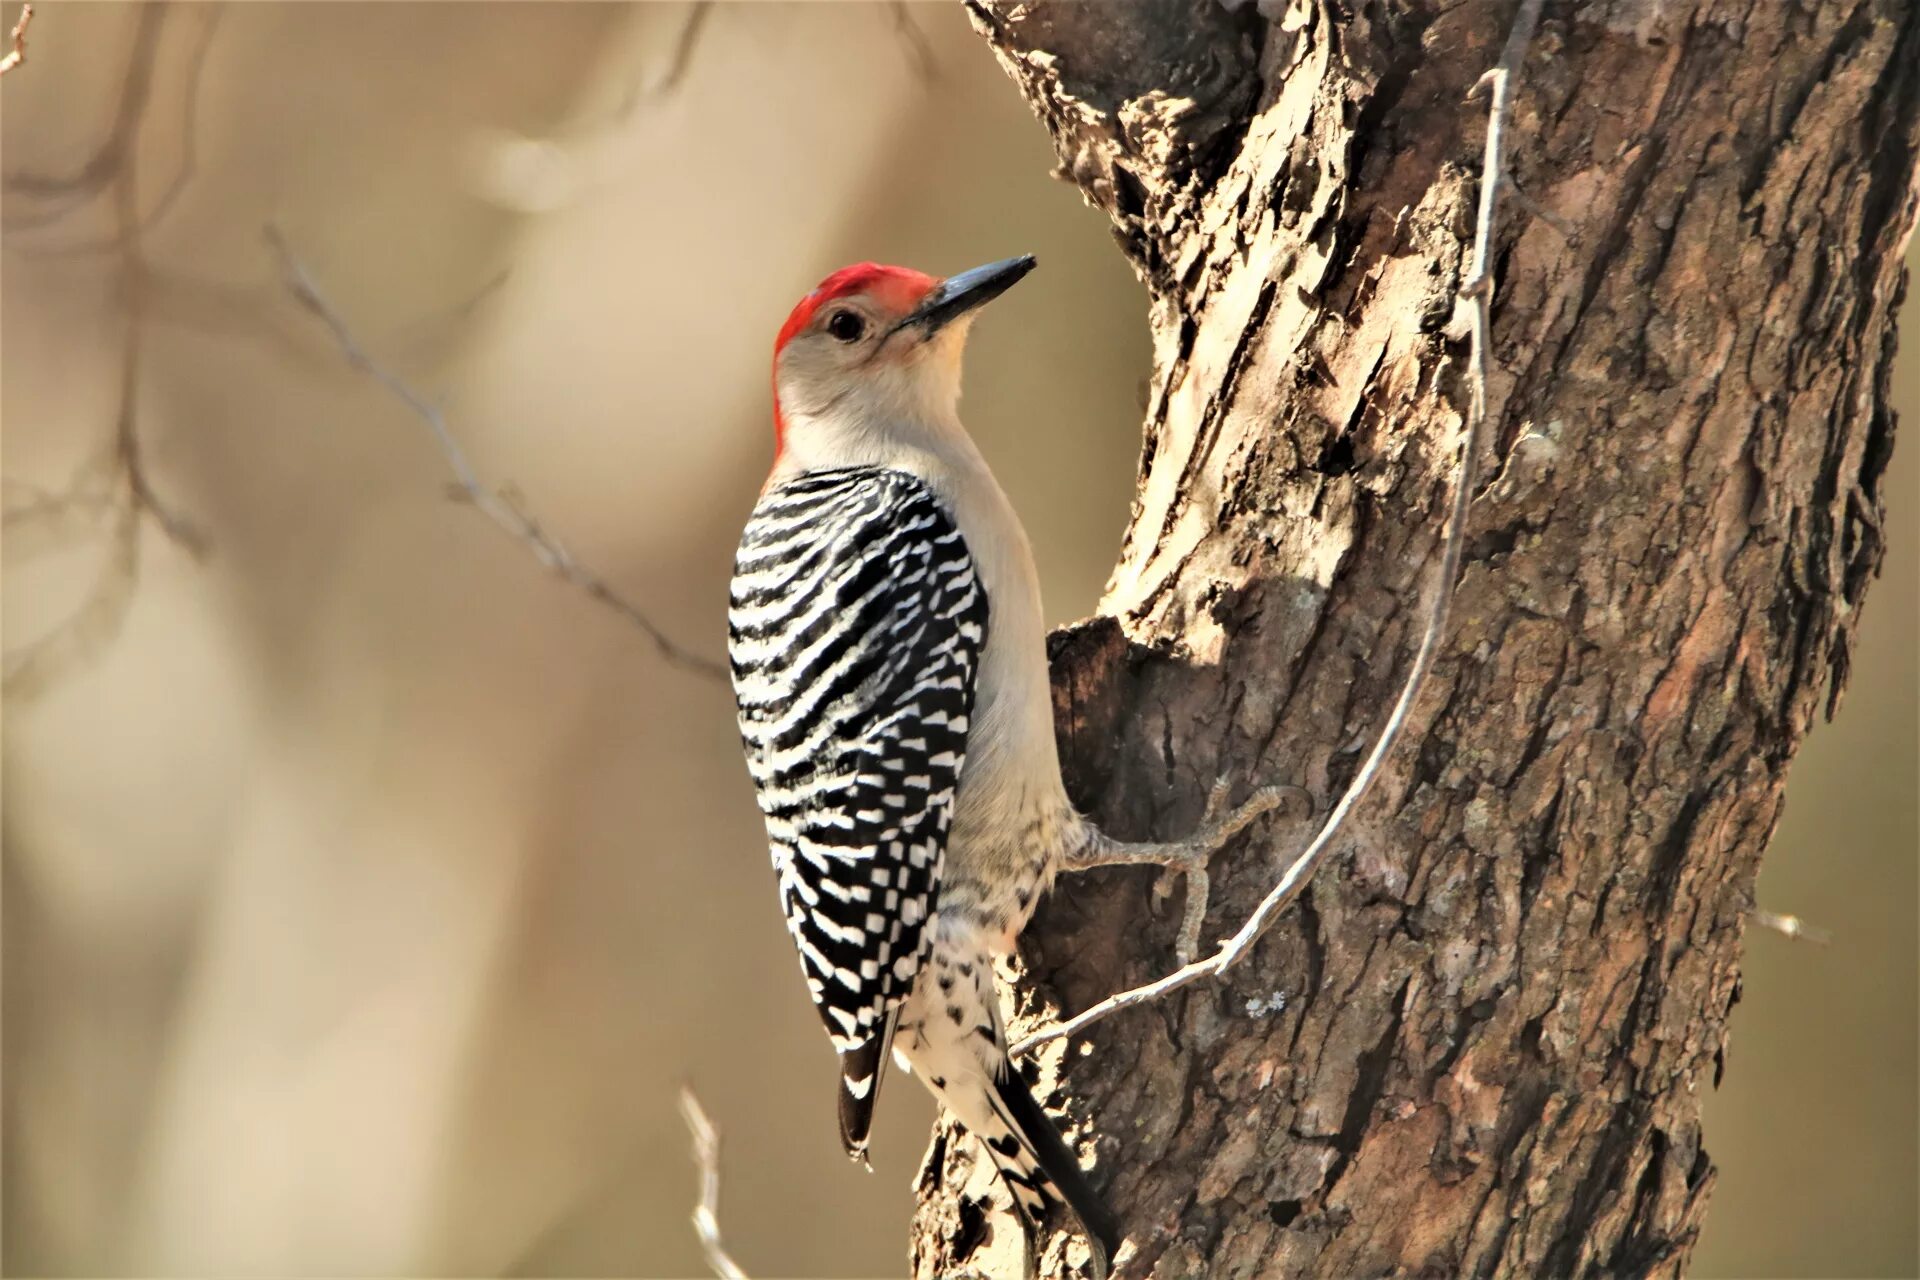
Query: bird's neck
{"type": "Point", "coordinates": [870, 436]}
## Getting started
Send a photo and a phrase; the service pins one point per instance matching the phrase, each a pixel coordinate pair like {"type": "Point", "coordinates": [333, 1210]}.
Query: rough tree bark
{"type": "Point", "coordinates": [1479, 1043]}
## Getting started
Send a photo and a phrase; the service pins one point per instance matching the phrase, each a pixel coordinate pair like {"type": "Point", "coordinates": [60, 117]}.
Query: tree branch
{"type": "Point", "coordinates": [100, 168]}
{"type": "Point", "coordinates": [926, 68]}
{"type": "Point", "coordinates": [706, 1213]}
{"type": "Point", "coordinates": [500, 505]}
{"type": "Point", "coordinates": [685, 42]}
{"type": "Point", "coordinates": [1476, 291]}
{"type": "Point", "coordinates": [189, 152]}
{"type": "Point", "coordinates": [1792, 927]}
{"type": "Point", "coordinates": [126, 444]}
{"type": "Point", "coordinates": [19, 36]}
{"type": "Point", "coordinates": [115, 166]}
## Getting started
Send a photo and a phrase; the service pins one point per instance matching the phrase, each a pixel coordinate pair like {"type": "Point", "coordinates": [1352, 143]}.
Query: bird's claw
{"type": "Point", "coordinates": [1190, 856]}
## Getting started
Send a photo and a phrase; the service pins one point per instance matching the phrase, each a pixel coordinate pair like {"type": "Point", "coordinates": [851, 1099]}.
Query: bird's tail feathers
{"type": "Point", "coordinates": [861, 1069]}
{"type": "Point", "coordinates": [953, 1038]}
{"type": "Point", "coordinates": [1038, 1167]}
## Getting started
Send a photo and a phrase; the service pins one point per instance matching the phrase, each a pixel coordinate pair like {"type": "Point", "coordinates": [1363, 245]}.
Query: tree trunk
{"type": "Point", "coordinates": [1478, 1043]}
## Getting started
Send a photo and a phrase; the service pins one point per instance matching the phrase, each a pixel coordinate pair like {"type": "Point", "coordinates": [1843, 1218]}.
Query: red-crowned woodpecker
{"type": "Point", "coordinates": [889, 666]}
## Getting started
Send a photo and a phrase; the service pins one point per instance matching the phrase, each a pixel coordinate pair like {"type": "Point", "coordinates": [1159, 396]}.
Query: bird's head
{"type": "Point", "coordinates": [871, 358]}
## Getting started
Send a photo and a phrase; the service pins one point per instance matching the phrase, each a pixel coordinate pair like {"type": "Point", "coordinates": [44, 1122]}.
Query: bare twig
{"type": "Point", "coordinates": [421, 337]}
{"type": "Point", "coordinates": [926, 68]}
{"type": "Point", "coordinates": [108, 160]}
{"type": "Point", "coordinates": [683, 47]}
{"type": "Point", "coordinates": [82, 636]}
{"type": "Point", "coordinates": [126, 451]}
{"type": "Point", "coordinates": [31, 669]}
{"type": "Point", "coordinates": [685, 43]}
{"type": "Point", "coordinates": [706, 1214]}
{"type": "Point", "coordinates": [502, 505]}
{"type": "Point", "coordinates": [1792, 927]}
{"type": "Point", "coordinates": [1563, 226]}
{"type": "Point", "coordinates": [18, 54]}
{"type": "Point", "coordinates": [140, 489]}
{"type": "Point", "coordinates": [189, 150]}
{"type": "Point", "coordinates": [1493, 174]}
{"type": "Point", "coordinates": [36, 519]}
{"type": "Point", "coordinates": [1477, 291]}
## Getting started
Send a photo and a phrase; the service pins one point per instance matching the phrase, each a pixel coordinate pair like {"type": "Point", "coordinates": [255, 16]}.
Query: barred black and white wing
{"type": "Point", "coordinates": [855, 630]}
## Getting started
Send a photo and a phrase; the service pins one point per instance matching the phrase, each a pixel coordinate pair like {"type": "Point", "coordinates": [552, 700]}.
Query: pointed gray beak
{"type": "Point", "coordinates": [959, 294]}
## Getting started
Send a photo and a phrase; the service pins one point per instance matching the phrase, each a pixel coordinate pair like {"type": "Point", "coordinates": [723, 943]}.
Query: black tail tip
{"type": "Point", "coordinates": [856, 1123]}
{"type": "Point", "coordinates": [1062, 1168]}
{"type": "Point", "coordinates": [860, 1069]}
{"type": "Point", "coordinates": [1103, 1241]}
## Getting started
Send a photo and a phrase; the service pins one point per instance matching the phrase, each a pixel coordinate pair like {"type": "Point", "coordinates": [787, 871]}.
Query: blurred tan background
{"type": "Point", "coordinates": [367, 891]}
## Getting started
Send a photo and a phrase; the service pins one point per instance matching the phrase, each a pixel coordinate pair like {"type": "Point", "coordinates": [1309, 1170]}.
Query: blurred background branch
{"type": "Point", "coordinates": [18, 53]}
{"type": "Point", "coordinates": [113, 169]}
{"type": "Point", "coordinates": [503, 506]}
{"type": "Point", "coordinates": [706, 1212]}
{"type": "Point", "coordinates": [1792, 927]}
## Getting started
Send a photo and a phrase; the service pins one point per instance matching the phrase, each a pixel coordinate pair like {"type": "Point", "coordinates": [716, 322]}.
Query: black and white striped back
{"type": "Point", "coordinates": [855, 631]}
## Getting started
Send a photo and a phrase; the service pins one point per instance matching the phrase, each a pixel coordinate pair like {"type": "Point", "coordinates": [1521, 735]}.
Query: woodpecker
{"type": "Point", "coordinates": [889, 667]}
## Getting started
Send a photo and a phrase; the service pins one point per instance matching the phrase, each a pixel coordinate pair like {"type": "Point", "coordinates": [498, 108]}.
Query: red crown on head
{"type": "Point", "coordinates": [899, 287]}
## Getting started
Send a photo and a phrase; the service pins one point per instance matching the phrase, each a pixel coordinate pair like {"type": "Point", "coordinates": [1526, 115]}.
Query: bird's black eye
{"type": "Point", "coordinates": [846, 326]}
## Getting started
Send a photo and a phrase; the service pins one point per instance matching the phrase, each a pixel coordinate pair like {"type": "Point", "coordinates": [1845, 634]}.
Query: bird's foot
{"type": "Point", "coordinates": [1189, 857]}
